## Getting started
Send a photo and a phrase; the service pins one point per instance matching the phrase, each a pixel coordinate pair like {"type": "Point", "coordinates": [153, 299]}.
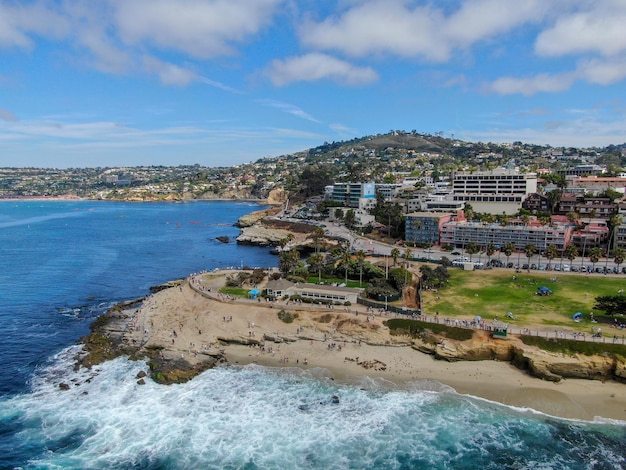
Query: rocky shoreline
{"type": "Point", "coordinates": [118, 332]}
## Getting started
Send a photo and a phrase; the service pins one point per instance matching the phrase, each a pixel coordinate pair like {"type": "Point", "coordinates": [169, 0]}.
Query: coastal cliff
{"type": "Point", "coordinates": [184, 329]}
{"type": "Point", "coordinates": [537, 362]}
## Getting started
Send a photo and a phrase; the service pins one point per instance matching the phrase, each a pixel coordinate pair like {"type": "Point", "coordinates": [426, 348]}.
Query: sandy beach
{"type": "Point", "coordinates": [348, 345]}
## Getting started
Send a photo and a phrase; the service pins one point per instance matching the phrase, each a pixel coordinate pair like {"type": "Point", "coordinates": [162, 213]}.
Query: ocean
{"type": "Point", "coordinates": [64, 263]}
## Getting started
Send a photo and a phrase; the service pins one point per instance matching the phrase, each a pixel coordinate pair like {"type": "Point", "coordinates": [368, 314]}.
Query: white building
{"type": "Point", "coordinates": [496, 191]}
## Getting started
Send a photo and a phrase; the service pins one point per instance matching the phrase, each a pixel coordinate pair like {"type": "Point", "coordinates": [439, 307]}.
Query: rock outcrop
{"type": "Point", "coordinates": [537, 362]}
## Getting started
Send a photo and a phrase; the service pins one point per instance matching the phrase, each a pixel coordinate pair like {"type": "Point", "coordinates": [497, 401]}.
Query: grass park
{"type": "Point", "coordinates": [495, 292]}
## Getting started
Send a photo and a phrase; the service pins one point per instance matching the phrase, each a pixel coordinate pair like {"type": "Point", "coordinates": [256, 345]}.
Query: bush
{"type": "Point", "coordinates": [415, 328]}
{"type": "Point", "coordinates": [287, 317]}
{"type": "Point", "coordinates": [569, 346]}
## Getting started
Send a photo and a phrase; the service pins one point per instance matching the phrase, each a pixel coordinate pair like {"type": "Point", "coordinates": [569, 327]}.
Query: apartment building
{"type": "Point", "coordinates": [460, 233]}
{"type": "Point", "coordinates": [496, 191]}
{"type": "Point", "coordinates": [424, 227]}
{"type": "Point", "coordinates": [350, 194]}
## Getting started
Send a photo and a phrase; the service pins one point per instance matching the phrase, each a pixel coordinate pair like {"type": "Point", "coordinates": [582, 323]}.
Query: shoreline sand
{"type": "Point", "coordinates": [190, 326]}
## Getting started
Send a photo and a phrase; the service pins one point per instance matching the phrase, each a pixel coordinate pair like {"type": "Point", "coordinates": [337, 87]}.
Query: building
{"type": "Point", "coordinates": [496, 191]}
{"type": "Point", "coordinates": [423, 228]}
{"type": "Point", "coordinates": [317, 292]}
{"type": "Point", "coordinates": [597, 185]}
{"type": "Point", "coordinates": [461, 233]}
{"type": "Point", "coordinates": [595, 233]}
{"type": "Point", "coordinates": [620, 236]}
{"type": "Point", "coordinates": [536, 202]}
{"type": "Point", "coordinates": [582, 170]}
{"type": "Point", "coordinates": [278, 287]}
{"type": "Point", "coordinates": [598, 207]}
{"type": "Point", "coordinates": [350, 194]}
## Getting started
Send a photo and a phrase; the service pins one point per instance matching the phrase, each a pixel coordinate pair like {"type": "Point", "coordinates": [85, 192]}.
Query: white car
{"type": "Point", "coordinates": [429, 251]}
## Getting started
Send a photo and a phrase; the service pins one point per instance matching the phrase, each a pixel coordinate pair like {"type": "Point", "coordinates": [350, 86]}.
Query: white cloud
{"type": "Point", "coordinates": [476, 20]}
{"type": "Point", "coordinates": [379, 27]}
{"type": "Point", "coordinates": [18, 21]}
{"type": "Point", "coordinates": [169, 74]}
{"type": "Point", "coordinates": [396, 27]}
{"type": "Point", "coordinates": [315, 66]}
{"type": "Point", "coordinates": [541, 83]}
{"type": "Point", "coordinates": [200, 28]}
{"type": "Point", "coordinates": [288, 108]}
{"type": "Point", "coordinates": [603, 72]}
{"type": "Point", "coordinates": [600, 30]}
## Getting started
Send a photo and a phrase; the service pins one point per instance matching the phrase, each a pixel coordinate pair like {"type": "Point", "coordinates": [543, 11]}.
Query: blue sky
{"type": "Point", "coordinates": [87, 83]}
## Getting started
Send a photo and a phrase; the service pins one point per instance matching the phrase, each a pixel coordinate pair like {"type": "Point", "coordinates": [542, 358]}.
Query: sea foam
{"type": "Point", "coordinates": [254, 417]}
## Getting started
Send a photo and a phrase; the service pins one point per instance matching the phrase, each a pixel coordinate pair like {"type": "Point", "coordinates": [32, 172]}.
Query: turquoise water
{"type": "Point", "coordinates": [65, 262]}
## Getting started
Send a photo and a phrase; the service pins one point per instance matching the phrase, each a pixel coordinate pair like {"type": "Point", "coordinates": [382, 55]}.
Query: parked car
{"type": "Point", "coordinates": [510, 265]}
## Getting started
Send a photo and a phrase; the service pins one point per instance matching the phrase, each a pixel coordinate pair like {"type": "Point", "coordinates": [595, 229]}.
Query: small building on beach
{"type": "Point", "coordinates": [315, 292]}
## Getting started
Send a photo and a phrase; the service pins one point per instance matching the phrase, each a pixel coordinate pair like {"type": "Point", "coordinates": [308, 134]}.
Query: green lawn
{"type": "Point", "coordinates": [235, 291]}
{"type": "Point", "coordinates": [332, 280]}
{"type": "Point", "coordinates": [491, 293]}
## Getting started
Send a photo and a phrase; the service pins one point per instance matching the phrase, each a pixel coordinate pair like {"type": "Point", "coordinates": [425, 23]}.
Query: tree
{"type": "Point", "coordinates": [316, 262]}
{"type": "Point", "coordinates": [360, 255]}
{"type": "Point", "coordinates": [490, 250]}
{"type": "Point", "coordinates": [395, 254]}
{"type": "Point", "coordinates": [571, 252]}
{"type": "Point", "coordinates": [344, 262]}
{"type": "Point", "coordinates": [468, 211]}
{"type": "Point", "coordinates": [401, 278]}
{"type": "Point", "coordinates": [551, 253]}
{"type": "Point", "coordinates": [618, 256]}
{"type": "Point", "coordinates": [611, 304]}
{"type": "Point", "coordinates": [572, 217]}
{"type": "Point", "coordinates": [530, 250]}
{"type": "Point", "coordinates": [350, 219]}
{"type": "Point", "coordinates": [471, 249]}
{"type": "Point", "coordinates": [427, 276]}
{"type": "Point", "coordinates": [288, 260]}
{"type": "Point", "coordinates": [508, 250]}
{"type": "Point", "coordinates": [441, 275]}
{"type": "Point", "coordinates": [614, 221]}
{"type": "Point", "coordinates": [314, 178]}
{"type": "Point", "coordinates": [407, 255]}
{"type": "Point", "coordinates": [318, 233]}
{"type": "Point", "coordinates": [594, 256]}
{"type": "Point", "coordinates": [339, 214]}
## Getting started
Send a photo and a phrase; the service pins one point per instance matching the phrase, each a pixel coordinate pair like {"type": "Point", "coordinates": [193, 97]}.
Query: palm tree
{"type": "Point", "coordinates": [594, 256]}
{"type": "Point", "coordinates": [407, 255]}
{"type": "Point", "coordinates": [613, 222]}
{"type": "Point", "coordinates": [551, 253]}
{"type": "Point", "coordinates": [288, 260]}
{"type": "Point", "coordinates": [316, 262]}
{"type": "Point", "coordinates": [530, 250]}
{"type": "Point", "coordinates": [472, 249]}
{"type": "Point", "coordinates": [571, 252]}
{"type": "Point", "coordinates": [395, 254]}
{"type": "Point", "coordinates": [618, 256]}
{"type": "Point", "coordinates": [345, 262]}
{"type": "Point", "coordinates": [508, 249]}
{"type": "Point", "coordinates": [490, 249]}
{"type": "Point", "coordinates": [318, 233]}
{"type": "Point", "coordinates": [360, 255]}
